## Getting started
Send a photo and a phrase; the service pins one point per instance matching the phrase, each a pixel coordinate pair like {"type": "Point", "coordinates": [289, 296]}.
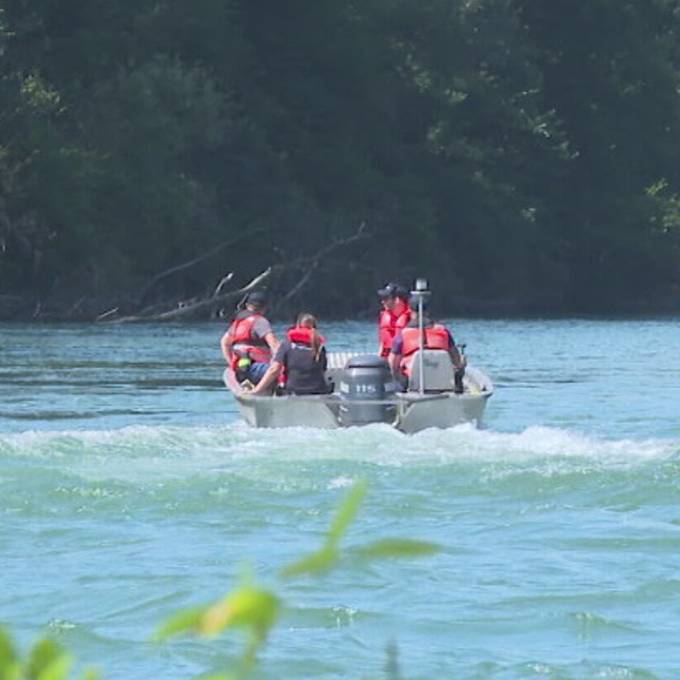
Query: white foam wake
{"type": "Point", "coordinates": [376, 443]}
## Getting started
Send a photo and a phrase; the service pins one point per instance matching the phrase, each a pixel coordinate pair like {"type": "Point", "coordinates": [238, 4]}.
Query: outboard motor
{"type": "Point", "coordinates": [366, 385]}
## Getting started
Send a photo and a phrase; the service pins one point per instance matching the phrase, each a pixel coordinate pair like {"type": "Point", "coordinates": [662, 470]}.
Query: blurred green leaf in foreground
{"type": "Point", "coordinates": [256, 610]}
{"type": "Point", "coordinates": [45, 661]}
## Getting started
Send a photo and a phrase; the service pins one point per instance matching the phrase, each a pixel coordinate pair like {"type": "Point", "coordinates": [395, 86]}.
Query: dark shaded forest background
{"type": "Point", "coordinates": [522, 154]}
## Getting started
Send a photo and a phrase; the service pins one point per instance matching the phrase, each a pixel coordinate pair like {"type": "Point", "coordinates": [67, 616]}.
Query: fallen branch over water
{"type": "Point", "coordinates": [196, 260]}
{"type": "Point", "coordinates": [208, 306]}
{"type": "Point", "coordinates": [311, 263]}
{"type": "Point", "coordinates": [189, 310]}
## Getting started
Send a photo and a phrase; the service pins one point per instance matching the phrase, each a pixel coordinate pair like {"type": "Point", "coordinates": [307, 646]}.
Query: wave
{"type": "Point", "coordinates": [377, 444]}
{"type": "Point", "coordinates": [233, 468]}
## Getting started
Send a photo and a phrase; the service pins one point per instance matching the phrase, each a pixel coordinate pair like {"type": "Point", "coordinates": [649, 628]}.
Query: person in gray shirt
{"type": "Point", "coordinates": [249, 343]}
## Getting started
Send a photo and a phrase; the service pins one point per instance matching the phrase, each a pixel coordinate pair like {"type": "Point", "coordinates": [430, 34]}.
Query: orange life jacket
{"type": "Point", "coordinates": [244, 343]}
{"type": "Point", "coordinates": [434, 337]}
{"type": "Point", "coordinates": [390, 322]}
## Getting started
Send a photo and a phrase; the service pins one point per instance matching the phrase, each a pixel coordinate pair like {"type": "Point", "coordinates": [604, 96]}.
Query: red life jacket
{"type": "Point", "coordinates": [389, 323]}
{"type": "Point", "coordinates": [302, 335]}
{"type": "Point", "coordinates": [386, 332]}
{"type": "Point", "coordinates": [435, 337]}
{"type": "Point", "coordinates": [244, 343]}
{"type": "Point", "coordinates": [403, 319]}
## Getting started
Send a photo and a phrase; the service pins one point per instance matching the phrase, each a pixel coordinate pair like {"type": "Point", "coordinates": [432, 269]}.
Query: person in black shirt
{"type": "Point", "coordinates": [300, 360]}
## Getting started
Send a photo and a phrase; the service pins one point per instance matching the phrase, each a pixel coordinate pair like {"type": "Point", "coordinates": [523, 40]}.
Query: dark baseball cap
{"type": "Point", "coordinates": [257, 297]}
{"type": "Point", "coordinates": [392, 290]}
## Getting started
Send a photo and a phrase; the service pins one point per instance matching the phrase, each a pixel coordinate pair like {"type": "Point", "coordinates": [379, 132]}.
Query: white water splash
{"type": "Point", "coordinates": [188, 447]}
{"type": "Point", "coordinates": [341, 482]}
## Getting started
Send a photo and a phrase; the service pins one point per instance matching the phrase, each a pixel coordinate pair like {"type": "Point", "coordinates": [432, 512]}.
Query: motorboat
{"type": "Point", "coordinates": [362, 391]}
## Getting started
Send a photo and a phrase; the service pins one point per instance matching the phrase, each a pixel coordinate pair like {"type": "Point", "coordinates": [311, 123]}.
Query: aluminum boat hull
{"type": "Point", "coordinates": [411, 411]}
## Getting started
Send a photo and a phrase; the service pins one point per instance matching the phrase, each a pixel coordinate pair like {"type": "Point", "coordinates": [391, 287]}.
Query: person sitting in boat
{"type": "Point", "coordinates": [435, 336]}
{"type": "Point", "coordinates": [249, 343]}
{"type": "Point", "coordinates": [394, 316]}
{"type": "Point", "coordinates": [299, 365]}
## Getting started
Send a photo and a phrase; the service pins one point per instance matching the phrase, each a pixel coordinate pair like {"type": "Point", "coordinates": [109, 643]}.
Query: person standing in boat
{"type": "Point", "coordinates": [435, 336]}
{"type": "Point", "coordinates": [299, 365]}
{"type": "Point", "coordinates": [394, 315]}
{"type": "Point", "coordinates": [249, 343]}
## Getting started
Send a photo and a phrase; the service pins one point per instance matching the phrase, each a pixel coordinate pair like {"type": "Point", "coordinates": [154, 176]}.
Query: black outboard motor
{"type": "Point", "coordinates": [365, 382]}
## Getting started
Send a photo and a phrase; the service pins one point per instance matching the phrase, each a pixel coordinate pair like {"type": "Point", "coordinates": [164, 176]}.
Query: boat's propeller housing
{"type": "Point", "coordinates": [366, 384]}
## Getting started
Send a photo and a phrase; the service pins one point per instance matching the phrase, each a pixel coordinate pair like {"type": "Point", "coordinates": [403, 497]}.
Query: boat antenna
{"type": "Point", "coordinates": [421, 293]}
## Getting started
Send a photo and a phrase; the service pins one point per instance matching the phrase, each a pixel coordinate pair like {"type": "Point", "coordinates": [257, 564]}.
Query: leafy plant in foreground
{"type": "Point", "coordinates": [45, 661]}
{"type": "Point", "coordinates": [255, 609]}
{"type": "Point", "coordinates": [249, 607]}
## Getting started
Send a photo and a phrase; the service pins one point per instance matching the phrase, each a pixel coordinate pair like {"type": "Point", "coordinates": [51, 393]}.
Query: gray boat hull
{"type": "Point", "coordinates": [412, 411]}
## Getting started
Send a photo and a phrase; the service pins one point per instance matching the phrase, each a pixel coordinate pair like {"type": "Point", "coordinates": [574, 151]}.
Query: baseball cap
{"type": "Point", "coordinates": [393, 290]}
{"type": "Point", "coordinates": [257, 297]}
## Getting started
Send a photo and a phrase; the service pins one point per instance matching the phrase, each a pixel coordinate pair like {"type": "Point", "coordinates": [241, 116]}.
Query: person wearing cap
{"type": "Point", "coordinates": [435, 336]}
{"type": "Point", "coordinates": [249, 343]}
{"type": "Point", "coordinates": [394, 315]}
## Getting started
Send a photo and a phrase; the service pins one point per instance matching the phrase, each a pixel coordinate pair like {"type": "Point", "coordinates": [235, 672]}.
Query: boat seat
{"type": "Point", "coordinates": [336, 365]}
{"type": "Point", "coordinates": [338, 360]}
{"type": "Point", "coordinates": [438, 371]}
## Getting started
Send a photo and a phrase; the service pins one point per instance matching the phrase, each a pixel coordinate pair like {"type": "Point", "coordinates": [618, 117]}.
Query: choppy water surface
{"type": "Point", "coordinates": [129, 490]}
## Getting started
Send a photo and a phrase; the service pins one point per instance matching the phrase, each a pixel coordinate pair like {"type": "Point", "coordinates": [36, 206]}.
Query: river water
{"type": "Point", "coordinates": [129, 489]}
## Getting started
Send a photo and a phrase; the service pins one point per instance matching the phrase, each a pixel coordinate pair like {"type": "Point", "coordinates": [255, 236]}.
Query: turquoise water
{"type": "Point", "coordinates": [129, 489]}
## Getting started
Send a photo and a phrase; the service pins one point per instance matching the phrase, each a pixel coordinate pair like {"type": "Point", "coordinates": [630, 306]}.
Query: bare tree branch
{"type": "Point", "coordinates": [310, 262]}
{"type": "Point", "coordinates": [225, 279]}
{"type": "Point", "coordinates": [196, 260]}
{"type": "Point", "coordinates": [107, 314]}
{"type": "Point", "coordinates": [358, 235]}
{"type": "Point", "coordinates": [191, 309]}
{"type": "Point", "coordinates": [299, 285]}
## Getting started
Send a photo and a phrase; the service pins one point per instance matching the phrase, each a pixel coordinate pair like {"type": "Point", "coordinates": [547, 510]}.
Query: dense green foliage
{"type": "Point", "coordinates": [521, 153]}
